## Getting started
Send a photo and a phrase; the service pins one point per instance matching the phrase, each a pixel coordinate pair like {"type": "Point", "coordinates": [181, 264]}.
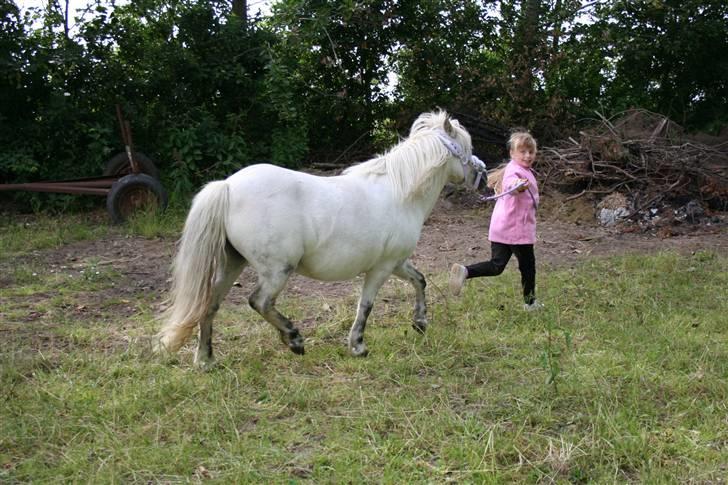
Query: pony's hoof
{"type": "Point", "coordinates": [419, 327]}
{"type": "Point", "coordinates": [157, 346]}
{"type": "Point", "coordinates": [295, 342]}
{"type": "Point", "coordinates": [297, 349]}
{"type": "Point", "coordinates": [205, 364]}
{"type": "Point", "coordinates": [359, 350]}
{"type": "Point", "coordinates": [143, 347]}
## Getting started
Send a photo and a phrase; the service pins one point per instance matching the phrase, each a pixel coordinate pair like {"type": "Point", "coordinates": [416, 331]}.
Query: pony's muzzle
{"type": "Point", "coordinates": [481, 172]}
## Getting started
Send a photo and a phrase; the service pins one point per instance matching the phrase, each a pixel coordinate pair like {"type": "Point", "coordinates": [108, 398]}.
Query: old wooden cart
{"type": "Point", "coordinates": [130, 182]}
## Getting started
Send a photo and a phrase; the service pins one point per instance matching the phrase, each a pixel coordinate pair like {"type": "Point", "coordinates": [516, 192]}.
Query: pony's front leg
{"type": "Point", "coordinates": [408, 272]}
{"type": "Point", "coordinates": [372, 282]}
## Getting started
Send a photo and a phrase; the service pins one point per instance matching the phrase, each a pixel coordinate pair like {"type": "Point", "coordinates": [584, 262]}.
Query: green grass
{"type": "Point", "coordinates": [152, 223]}
{"type": "Point", "coordinates": [22, 235]}
{"type": "Point", "coordinates": [37, 232]}
{"type": "Point", "coordinates": [622, 378]}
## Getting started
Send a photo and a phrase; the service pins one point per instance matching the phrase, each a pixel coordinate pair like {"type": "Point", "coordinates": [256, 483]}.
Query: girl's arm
{"type": "Point", "coordinates": [519, 186]}
{"type": "Point", "coordinates": [512, 180]}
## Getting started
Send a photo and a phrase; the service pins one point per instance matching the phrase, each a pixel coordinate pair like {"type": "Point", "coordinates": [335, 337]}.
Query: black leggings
{"type": "Point", "coordinates": [499, 256]}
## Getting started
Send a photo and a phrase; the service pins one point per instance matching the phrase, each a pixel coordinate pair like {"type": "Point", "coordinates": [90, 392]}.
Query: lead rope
{"type": "Point", "coordinates": [510, 191]}
{"type": "Point", "coordinates": [502, 194]}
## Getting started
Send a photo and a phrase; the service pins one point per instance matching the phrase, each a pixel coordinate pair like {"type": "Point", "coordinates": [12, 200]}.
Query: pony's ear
{"type": "Point", "coordinates": [448, 127]}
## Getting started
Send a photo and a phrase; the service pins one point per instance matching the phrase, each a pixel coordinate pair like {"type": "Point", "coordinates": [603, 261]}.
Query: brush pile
{"type": "Point", "coordinates": [642, 156]}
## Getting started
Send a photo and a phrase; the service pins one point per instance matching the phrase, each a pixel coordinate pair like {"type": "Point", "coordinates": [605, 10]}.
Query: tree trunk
{"type": "Point", "coordinates": [556, 31]}
{"type": "Point", "coordinates": [240, 9]}
{"type": "Point", "coordinates": [525, 63]}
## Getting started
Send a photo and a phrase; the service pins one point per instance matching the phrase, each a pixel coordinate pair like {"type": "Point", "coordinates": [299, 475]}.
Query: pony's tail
{"type": "Point", "coordinates": [201, 250]}
{"type": "Point", "coordinates": [495, 178]}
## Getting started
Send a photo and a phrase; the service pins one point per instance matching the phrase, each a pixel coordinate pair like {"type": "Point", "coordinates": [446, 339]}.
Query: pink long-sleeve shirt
{"type": "Point", "coordinates": [514, 217]}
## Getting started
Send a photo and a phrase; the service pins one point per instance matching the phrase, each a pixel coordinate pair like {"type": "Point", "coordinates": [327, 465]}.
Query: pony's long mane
{"type": "Point", "coordinates": [409, 165]}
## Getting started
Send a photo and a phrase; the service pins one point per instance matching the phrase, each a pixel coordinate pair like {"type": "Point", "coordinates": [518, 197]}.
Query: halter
{"type": "Point", "coordinates": [457, 151]}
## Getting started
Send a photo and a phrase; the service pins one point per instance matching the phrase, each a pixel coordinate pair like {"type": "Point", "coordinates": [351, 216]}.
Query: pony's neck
{"type": "Point", "coordinates": [424, 202]}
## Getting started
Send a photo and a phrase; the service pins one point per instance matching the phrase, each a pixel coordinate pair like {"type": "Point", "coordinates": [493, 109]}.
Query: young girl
{"type": "Point", "coordinates": [512, 225]}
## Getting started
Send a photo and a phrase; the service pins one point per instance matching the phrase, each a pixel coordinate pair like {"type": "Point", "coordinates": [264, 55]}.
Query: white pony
{"type": "Point", "coordinates": [366, 221]}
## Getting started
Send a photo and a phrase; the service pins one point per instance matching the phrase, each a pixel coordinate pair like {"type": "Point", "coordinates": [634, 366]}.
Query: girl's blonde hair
{"type": "Point", "coordinates": [519, 138]}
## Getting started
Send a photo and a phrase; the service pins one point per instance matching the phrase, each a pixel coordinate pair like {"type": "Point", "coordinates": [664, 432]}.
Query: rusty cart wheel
{"type": "Point", "coordinates": [119, 165]}
{"type": "Point", "coordinates": [132, 193]}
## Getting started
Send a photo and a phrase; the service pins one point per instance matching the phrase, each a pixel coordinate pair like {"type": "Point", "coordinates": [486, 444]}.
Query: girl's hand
{"type": "Point", "coordinates": [523, 184]}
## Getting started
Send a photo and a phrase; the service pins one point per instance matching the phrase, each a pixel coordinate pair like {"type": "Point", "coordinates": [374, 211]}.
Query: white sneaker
{"type": "Point", "coordinates": [458, 273]}
{"type": "Point", "coordinates": [532, 307]}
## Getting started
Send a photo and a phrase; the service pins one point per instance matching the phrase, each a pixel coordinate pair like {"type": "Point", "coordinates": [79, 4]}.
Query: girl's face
{"type": "Point", "coordinates": [524, 156]}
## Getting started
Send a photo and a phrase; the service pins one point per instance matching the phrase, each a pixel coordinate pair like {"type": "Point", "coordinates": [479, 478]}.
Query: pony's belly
{"type": "Point", "coordinates": [335, 275]}
{"type": "Point", "coordinates": [329, 270]}
{"type": "Point", "coordinates": [348, 262]}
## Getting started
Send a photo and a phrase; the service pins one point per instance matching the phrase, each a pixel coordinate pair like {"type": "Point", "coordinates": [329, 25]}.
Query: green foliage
{"type": "Point", "coordinates": [207, 92]}
{"type": "Point", "coordinates": [19, 162]}
{"type": "Point", "coordinates": [337, 51]}
{"type": "Point", "coordinates": [440, 43]}
{"type": "Point", "coordinates": [671, 57]}
{"type": "Point", "coordinates": [203, 149]}
{"type": "Point", "coordinates": [384, 134]}
{"type": "Point", "coordinates": [191, 79]}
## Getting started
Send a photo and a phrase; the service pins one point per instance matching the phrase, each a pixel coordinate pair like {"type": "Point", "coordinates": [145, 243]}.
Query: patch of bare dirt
{"type": "Point", "coordinates": [455, 232]}
{"type": "Point", "coordinates": [568, 232]}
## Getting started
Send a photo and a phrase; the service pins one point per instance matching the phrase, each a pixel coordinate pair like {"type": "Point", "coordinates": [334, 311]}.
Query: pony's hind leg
{"type": "Point", "coordinates": [408, 272]}
{"type": "Point", "coordinates": [263, 300]}
{"type": "Point", "coordinates": [224, 278]}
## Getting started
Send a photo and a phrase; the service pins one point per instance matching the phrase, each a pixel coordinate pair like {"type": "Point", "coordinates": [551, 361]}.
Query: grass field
{"type": "Point", "coordinates": [622, 378]}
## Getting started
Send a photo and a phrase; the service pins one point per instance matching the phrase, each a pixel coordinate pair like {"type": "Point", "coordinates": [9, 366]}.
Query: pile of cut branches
{"type": "Point", "coordinates": [642, 155]}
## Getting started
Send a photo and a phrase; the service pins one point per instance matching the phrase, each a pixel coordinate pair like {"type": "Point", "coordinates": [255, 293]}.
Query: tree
{"type": "Point", "coordinates": [209, 90]}
{"type": "Point", "coordinates": [438, 50]}
{"type": "Point", "coordinates": [671, 57]}
{"type": "Point", "coordinates": [337, 52]}
{"type": "Point", "coordinates": [240, 9]}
